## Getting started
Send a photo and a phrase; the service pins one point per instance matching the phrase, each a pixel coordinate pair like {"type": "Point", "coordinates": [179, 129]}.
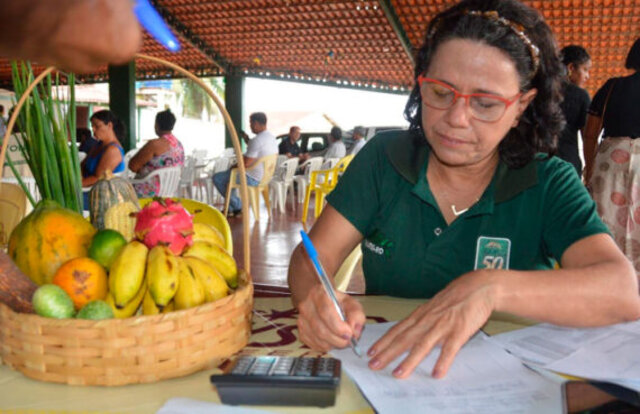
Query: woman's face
{"type": "Point", "coordinates": [456, 137]}
{"type": "Point", "coordinates": [579, 74]}
{"type": "Point", "coordinates": [101, 130]}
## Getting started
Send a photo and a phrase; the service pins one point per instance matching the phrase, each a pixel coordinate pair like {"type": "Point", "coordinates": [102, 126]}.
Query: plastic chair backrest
{"type": "Point", "coordinates": [199, 155]}
{"type": "Point", "coordinates": [228, 152]}
{"type": "Point", "coordinates": [281, 159]}
{"type": "Point", "coordinates": [329, 163]}
{"type": "Point", "coordinates": [169, 181]}
{"type": "Point", "coordinates": [269, 162]}
{"type": "Point", "coordinates": [288, 169]}
{"type": "Point", "coordinates": [312, 164]}
{"type": "Point", "coordinates": [188, 170]}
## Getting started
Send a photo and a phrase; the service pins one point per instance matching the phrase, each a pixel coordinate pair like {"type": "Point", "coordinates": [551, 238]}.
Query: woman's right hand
{"type": "Point", "coordinates": [319, 324]}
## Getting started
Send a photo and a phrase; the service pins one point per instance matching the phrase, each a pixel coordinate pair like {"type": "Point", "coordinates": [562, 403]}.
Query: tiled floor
{"type": "Point", "coordinates": [272, 240]}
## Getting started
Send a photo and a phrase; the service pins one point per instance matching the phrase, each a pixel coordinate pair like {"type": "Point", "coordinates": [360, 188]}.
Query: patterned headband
{"type": "Point", "coordinates": [516, 28]}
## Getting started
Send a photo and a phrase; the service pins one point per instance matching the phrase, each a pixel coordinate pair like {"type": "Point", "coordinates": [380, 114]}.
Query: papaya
{"type": "Point", "coordinates": [46, 238]}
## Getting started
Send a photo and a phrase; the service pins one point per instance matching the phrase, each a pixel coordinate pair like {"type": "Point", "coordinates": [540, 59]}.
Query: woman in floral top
{"type": "Point", "coordinates": [163, 152]}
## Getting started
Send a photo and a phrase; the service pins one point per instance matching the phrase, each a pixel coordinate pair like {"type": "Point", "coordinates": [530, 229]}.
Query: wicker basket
{"type": "Point", "coordinates": [139, 349]}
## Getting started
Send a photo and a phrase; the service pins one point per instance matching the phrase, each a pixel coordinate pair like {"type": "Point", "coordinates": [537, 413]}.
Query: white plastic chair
{"type": "Point", "coordinates": [302, 181]}
{"type": "Point", "coordinates": [281, 182]}
{"type": "Point", "coordinates": [169, 180]}
{"type": "Point", "coordinates": [221, 163]}
{"type": "Point", "coordinates": [127, 173]}
{"type": "Point", "coordinates": [269, 165]}
{"type": "Point", "coordinates": [280, 160]}
{"type": "Point", "coordinates": [185, 187]}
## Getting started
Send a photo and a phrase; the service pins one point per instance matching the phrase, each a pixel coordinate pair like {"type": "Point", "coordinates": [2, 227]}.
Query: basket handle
{"type": "Point", "coordinates": [244, 194]}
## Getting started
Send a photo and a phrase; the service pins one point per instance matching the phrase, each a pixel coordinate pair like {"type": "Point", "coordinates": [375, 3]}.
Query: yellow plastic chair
{"type": "Point", "coordinates": [13, 205]}
{"type": "Point", "coordinates": [322, 182]}
{"type": "Point", "coordinates": [343, 275]}
{"type": "Point", "coordinates": [269, 162]}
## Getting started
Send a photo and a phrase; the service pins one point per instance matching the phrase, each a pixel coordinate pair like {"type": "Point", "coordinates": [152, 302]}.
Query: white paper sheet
{"type": "Point", "coordinates": [189, 406]}
{"type": "Point", "coordinates": [545, 343]}
{"type": "Point", "coordinates": [483, 379]}
{"type": "Point", "coordinates": [605, 354]}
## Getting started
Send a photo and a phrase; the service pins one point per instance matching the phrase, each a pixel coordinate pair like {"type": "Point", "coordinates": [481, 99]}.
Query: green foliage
{"type": "Point", "coordinates": [195, 101]}
{"type": "Point", "coordinates": [47, 136]}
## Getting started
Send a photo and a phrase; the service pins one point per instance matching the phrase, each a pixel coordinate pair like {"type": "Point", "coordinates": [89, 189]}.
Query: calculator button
{"type": "Point", "coordinates": [242, 366]}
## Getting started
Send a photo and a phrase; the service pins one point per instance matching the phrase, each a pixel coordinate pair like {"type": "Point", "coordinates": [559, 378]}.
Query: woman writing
{"type": "Point", "coordinates": [461, 208]}
{"type": "Point", "coordinates": [108, 155]}
{"type": "Point", "coordinates": [162, 152]}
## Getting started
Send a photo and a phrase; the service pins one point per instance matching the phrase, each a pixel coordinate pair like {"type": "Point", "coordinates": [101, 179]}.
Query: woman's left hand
{"type": "Point", "coordinates": [449, 320]}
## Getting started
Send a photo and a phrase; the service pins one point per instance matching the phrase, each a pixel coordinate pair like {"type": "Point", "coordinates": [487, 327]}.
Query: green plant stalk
{"type": "Point", "coordinates": [45, 138]}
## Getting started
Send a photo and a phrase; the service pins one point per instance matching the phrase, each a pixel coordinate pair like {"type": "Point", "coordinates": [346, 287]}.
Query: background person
{"type": "Point", "coordinates": [86, 140]}
{"type": "Point", "coordinates": [289, 145]}
{"type": "Point", "coordinates": [575, 104]}
{"type": "Point", "coordinates": [109, 155]}
{"type": "Point", "coordinates": [162, 152]}
{"type": "Point", "coordinates": [263, 144]}
{"type": "Point", "coordinates": [440, 207]}
{"type": "Point", "coordinates": [358, 140]}
{"type": "Point", "coordinates": [336, 146]}
{"type": "Point", "coordinates": [612, 173]}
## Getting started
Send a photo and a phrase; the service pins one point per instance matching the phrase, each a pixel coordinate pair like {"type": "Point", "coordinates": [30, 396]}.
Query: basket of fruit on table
{"type": "Point", "coordinates": [130, 297]}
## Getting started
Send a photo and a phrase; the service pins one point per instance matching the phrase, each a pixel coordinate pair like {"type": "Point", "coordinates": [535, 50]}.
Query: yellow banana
{"type": "Point", "coordinates": [162, 275]}
{"type": "Point", "coordinates": [190, 290]}
{"type": "Point", "coordinates": [130, 308]}
{"type": "Point", "coordinates": [217, 257]}
{"type": "Point", "coordinates": [205, 232]}
{"type": "Point", "coordinates": [149, 307]}
{"type": "Point", "coordinates": [214, 284]}
{"type": "Point", "coordinates": [126, 274]}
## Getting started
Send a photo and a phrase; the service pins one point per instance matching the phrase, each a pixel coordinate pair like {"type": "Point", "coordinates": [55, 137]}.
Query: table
{"type": "Point", "coordinates": [274, 332]}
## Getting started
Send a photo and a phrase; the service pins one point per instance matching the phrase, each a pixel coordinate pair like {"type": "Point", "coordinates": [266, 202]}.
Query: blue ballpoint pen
{"type": "Point", "coordinates": [151, 20]}
{"type": "Point", "coordinates": [326, 283]}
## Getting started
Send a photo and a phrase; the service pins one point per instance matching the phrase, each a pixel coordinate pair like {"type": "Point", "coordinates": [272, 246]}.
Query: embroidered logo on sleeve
{"type": "Point", "coordinates": [379, 244]}
{"type": "Point", "coordinates": [492, 253]}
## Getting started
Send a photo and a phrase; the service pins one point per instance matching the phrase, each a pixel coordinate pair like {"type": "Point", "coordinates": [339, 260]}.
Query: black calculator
{"type": "Point", "coordinates": [279, 380]}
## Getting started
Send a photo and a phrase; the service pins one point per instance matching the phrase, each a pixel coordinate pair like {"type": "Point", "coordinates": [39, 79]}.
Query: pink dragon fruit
{"type": "Point", "coordinates": [167, 222]}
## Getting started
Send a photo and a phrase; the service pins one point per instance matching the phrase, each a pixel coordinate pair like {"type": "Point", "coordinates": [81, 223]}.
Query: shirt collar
{"type": "Point", "coordinates": [408, 155]}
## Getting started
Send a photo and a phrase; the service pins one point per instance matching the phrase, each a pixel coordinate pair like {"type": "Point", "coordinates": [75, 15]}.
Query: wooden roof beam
{"type": "Point", "coordinates": [394, 21]}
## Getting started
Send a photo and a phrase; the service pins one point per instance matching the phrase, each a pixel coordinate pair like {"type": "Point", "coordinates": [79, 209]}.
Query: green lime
{"type": "Point", "coordinates": [96, 309]}
{"type": "Point", "coordinates": [105, 246]}
{"type": "Point", "coordinates": [52, 301]}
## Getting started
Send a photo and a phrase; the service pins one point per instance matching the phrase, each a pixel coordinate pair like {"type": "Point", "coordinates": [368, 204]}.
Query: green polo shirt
{"type": "Point", "coordinates": [525, 219]}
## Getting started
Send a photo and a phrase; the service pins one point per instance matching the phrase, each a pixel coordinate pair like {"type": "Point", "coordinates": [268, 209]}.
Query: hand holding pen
{"type": "Point", "coordinates": [324, 339]}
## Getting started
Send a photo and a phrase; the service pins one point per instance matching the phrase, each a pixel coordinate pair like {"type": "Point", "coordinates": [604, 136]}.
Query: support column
{"type": "Point", "coordinates": [122, 99]}
{"type": "Point", "coordinates": [234, 89]}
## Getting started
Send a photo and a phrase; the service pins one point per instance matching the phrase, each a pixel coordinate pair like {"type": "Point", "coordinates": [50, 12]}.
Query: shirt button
{"type": "Point", "coordinates": [437, 231]}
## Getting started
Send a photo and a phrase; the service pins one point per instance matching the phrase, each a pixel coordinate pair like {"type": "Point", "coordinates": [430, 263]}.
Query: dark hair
{"type": "Point", "coordinates": [336, 133]}
{"type": "Point", "coordinates": [575, 54]}
{"type": "Point", "coordinates": [258, 117]}
{"type": "Point", "coordinates": [107, 116]}
{"type": "Point", "coordinates": [83, 134]}
{"type": "Point", "coordinates": [633, 58]}
{"type": "Point", "coordinates": [165, 120]}
{"type": "Point", "coordinates": [1, 108]}
{"type": "Point", "coordinates": [542, 121]}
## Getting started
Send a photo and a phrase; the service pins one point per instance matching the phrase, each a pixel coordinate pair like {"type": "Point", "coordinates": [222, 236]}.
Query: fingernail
{"type": "Point", "coordinates": [398, 371]}
{"type": "Point", "coordinates": [436, 373]}
{"type": "Point", "coordinates": [371, 352]}
{"type": "Point", "coordinates": [347, 337]}
{"type": "Point", "coordinates": [374, 363]}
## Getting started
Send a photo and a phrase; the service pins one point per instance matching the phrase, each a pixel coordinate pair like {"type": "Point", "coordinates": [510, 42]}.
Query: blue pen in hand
{"type": "Point", "coordinates": [151, 20]}
{"type": "Point", "coordinates": [326, 283]}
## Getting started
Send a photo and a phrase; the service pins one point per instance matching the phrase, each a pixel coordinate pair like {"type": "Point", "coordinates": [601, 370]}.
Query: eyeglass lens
{"type": "Point", "coordinates": [484, 108]}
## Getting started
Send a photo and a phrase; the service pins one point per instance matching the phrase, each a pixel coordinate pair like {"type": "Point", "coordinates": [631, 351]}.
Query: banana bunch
{"type": "Point", "coordinates": [126, 279]}
{"type": "Point", "coordinates": [158, 281]}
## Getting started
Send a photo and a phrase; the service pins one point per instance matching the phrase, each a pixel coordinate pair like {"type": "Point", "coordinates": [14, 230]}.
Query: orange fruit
{"type": "Point", "coordinates": [83, 279]}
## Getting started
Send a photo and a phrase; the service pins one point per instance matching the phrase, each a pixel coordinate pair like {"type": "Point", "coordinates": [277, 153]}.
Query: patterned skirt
{"type": "Point", "coordinates": [615, 187]}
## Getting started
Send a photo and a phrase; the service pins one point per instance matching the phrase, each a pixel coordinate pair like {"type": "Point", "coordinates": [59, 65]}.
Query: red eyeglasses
{"type": "Point", "coordinates": [483, 106]}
